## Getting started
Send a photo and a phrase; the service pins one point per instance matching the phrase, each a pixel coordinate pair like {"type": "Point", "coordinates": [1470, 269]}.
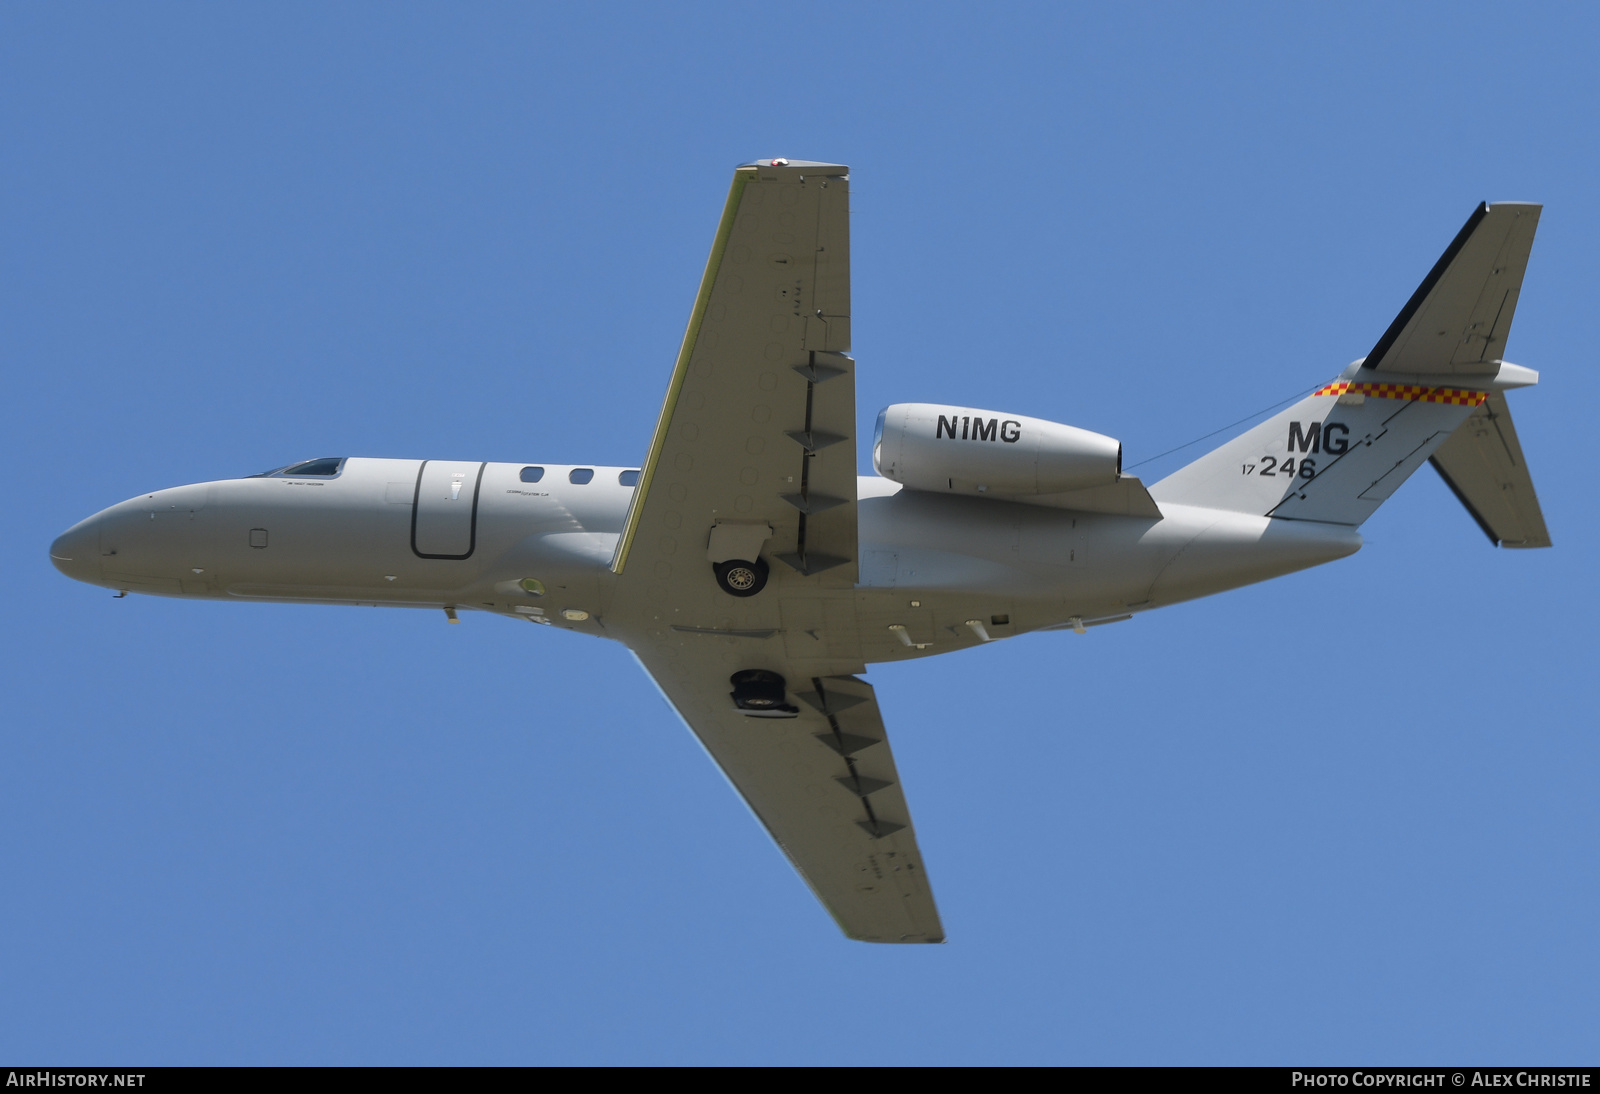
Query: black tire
{"type": "Point", "coordinates": [740, 578]}
{"type": "Point", "coordinates": [759, 690]}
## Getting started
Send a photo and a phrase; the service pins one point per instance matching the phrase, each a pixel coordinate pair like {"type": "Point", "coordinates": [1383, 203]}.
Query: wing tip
{"type": "Point", "coordinates": [816, 167]}
{"type": "Point", "coordinates": [903, 940]}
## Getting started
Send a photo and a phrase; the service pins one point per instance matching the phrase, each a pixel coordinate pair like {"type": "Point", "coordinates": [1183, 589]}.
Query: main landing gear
{"type": "Point", "coordinates": [761, 691]}
{"type": "Point", "coordinates": [740, 578]}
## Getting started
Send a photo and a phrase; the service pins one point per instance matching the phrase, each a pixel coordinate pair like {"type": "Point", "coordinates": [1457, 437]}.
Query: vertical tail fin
{"type": "Point", "coordinates": [1335, 456]}
{"type": "Point", "coordinates": [1338, 454]}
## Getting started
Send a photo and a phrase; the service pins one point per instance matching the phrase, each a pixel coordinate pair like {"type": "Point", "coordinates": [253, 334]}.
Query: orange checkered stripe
{"type": "Point", "coordinates": [1452, 395]}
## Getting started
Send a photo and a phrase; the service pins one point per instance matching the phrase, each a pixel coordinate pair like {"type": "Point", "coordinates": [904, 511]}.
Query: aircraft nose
{"type": "Point", "coordinates": [76, 552]}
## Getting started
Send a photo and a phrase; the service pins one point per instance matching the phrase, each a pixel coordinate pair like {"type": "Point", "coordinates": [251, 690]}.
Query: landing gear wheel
{"type": "Point", "coordinates": [740, 578]}
{"type": "Point", "coordinates": [760, 691]}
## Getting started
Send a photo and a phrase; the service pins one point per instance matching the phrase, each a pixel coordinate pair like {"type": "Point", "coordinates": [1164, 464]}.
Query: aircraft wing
{"type": "Point", "coordinates": [1457, 320]}
{"type": "Point", "coordinates": [758, 426]}
{"type": "Point", "coordinates": [1482, 464]}
{"type": "Point", "coordinates": [822, 782]}
{"type": "Point", "coordinates": [754, 456]}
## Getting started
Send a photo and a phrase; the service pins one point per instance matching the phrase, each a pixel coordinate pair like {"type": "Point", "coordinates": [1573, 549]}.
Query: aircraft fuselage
{"type": "Point", "coordinates": [466, 535]}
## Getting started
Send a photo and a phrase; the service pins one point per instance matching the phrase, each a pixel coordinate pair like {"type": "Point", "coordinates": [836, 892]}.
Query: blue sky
{"type": "Point", "coordinates": [1347, 816]}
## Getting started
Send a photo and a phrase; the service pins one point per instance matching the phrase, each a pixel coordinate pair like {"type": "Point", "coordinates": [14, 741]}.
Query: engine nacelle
{"type": "Point", "coordinates": [967, 451]}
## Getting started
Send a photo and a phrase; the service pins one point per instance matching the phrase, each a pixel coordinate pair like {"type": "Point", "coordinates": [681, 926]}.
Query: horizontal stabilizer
{"type": "Point", "coordinates": [1457, 321]}
{"type": "Point", "coordinates": [1482, 464]}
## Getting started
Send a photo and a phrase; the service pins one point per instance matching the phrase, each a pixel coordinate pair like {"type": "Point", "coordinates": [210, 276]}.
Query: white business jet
{"type": "Point", "coordinates": [755, 575]}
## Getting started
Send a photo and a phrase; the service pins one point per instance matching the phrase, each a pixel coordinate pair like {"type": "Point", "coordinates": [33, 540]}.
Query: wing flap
{"type": "Point", "coordinates": [1483, 466]}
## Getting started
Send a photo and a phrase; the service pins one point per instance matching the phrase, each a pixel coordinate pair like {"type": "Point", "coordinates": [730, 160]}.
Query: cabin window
{"type": "Point", "coordinates": [581, 475]}
{"type": "Point", "coordinates": [532, 474]}
{"type": "Point", "coordinates": [629, 478]}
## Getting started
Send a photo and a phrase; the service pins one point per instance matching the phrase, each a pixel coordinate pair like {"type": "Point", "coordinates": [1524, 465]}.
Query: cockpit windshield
{"type": "Point", "coordinates": [325, 468]}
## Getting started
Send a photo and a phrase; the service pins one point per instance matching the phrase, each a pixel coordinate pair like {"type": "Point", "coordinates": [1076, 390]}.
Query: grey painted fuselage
{"type": "Point", "coordinates": [935, 562]}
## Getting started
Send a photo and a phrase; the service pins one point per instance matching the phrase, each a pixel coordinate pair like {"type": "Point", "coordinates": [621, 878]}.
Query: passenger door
{"type": "Point", "coordinates": [444, 523]}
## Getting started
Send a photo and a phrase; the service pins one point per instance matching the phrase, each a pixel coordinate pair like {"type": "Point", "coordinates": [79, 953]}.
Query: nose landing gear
{"type": "Point", "coordinates": [737, 577]}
